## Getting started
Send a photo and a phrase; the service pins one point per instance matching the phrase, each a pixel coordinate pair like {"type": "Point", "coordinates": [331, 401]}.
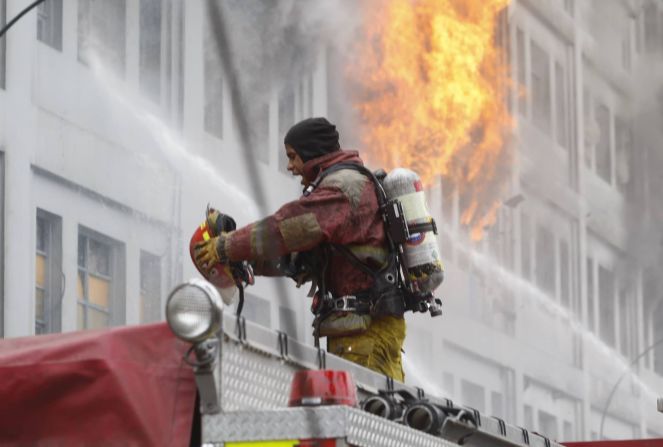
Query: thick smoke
{"type": "Point", "coordinates": [639, 159]}
{"type": "Point", "coordinates": [276, 44]}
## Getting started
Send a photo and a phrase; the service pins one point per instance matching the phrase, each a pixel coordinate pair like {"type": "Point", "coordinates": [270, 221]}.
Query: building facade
{"type": "Point", "coordinates": [118, 127]}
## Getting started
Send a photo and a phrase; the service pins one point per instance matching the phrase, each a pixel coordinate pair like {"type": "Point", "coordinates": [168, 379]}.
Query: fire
{"type": "Point", "coordinates": [429, 87]}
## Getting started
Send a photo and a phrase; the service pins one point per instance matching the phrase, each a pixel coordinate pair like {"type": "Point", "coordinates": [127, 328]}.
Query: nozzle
{"type": "Point", "coordinates": [425, 417]}
{"type": "Point", "coordinates": [435, 307]}
{"type": "Point", "coordinates": [383, 407]}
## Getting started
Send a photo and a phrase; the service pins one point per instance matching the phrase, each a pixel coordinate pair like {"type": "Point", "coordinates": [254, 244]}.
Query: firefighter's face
{"type": "Point", "coordinates": [295, 163]}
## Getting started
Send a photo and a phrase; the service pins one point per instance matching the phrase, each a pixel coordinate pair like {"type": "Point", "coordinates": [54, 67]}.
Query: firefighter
{"type": "Point", "coordinates": [309, 239]}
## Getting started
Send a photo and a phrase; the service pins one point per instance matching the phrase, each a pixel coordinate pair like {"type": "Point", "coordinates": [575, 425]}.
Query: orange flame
{"type": "Point", "coordinates": [430, 90]}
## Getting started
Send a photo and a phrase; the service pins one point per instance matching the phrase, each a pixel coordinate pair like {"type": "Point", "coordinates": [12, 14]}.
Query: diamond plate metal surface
{"type": "Point", "coordinates": [365, 429]}
{"type": "Point", "coordinates": [255, 377]}
{"type": "Point", "coordinates": [253, 380]}
{"type": "Point", "coordinates": [357, 427]}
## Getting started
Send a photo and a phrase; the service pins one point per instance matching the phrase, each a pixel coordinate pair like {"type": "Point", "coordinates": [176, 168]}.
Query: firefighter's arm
{"type": "Point", "coordinates": [298, 226]}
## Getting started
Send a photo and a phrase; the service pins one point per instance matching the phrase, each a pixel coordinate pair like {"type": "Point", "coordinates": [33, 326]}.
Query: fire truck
{"type": "Point", "coordinates": [211, 378]}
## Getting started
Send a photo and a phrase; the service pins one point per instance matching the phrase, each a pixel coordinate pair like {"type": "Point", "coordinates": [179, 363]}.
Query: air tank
{"type": "Point", "coordinates": [421, 255]}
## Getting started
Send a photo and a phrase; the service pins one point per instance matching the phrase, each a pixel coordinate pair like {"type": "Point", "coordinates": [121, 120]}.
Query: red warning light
{"type": "Point", "coordinates": [317, 443]}
{"type": "Point", "coordinates": [322, 387]}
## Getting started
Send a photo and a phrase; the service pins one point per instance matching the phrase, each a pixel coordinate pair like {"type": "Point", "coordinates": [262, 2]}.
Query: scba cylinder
{"type": "Point", "coordinates": [420, 252]}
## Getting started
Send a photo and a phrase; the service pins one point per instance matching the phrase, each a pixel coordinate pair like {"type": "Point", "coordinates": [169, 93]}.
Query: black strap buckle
{"type": "Point", "coordinates": [346, 303]}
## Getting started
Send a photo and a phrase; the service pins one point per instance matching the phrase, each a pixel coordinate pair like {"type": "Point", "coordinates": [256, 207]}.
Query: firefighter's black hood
{"type": "Point", "coordinates": [312, 138]}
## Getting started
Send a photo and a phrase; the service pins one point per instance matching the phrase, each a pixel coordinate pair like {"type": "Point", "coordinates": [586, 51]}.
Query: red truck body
{"type": "Point", "coordinates": [125, 386]}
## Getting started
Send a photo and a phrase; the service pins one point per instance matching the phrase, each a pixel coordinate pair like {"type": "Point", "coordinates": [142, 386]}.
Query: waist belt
{"type": "Point", "coordinates": [359, 303]}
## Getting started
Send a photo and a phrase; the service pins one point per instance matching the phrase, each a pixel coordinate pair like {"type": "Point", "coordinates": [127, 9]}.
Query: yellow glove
{"type": "Point", "coordinates": [211, 252]}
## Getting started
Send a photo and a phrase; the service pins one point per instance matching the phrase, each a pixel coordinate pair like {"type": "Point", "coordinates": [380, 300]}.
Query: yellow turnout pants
{"type": "Point", "coordinates": [378, 348]}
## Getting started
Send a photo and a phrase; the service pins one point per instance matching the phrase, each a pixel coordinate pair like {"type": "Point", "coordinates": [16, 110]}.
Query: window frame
{"type": "Point", "coordinates": [49, 14]}
{"type": "Point", "coordinates": [53, 283]}
{"type": "Point", "coordinates": [115, 277]}
{"type": "Point", "coordinates": [3, 52]}
{"type": "Point", "coordinates": [85, 22]}
{"type": "Point", "coordinates": [151, 84]}
{"type": "Point", "coordinates": [150, 311]}
{"type": "Point", "coordinates": [213, 84]}
{"type": "Point", "coordinates": [541, 116]}
{"type": "Point", "coordinates": [286, 116]}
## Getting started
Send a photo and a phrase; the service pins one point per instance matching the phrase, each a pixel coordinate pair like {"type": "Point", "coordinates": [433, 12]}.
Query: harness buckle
{"type": "Point", "coordinates": [346, 303]}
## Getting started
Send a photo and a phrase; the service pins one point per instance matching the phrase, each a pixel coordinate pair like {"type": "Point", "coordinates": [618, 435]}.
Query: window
{"type": "Point", "coordinates": [623, 151]}
{"type": "Point", "coordinates": [100, 303]}
{"type": "Point", "coordinates": [564, 274]}
{"type": "Point", "coordinates": [49, 23]}
{"type": "Point", "coordinates": [306, 97]}
{"type": "Point", "coordinates": [48, 273]}
{"type": "Point", "coordinates": [497, 404]}
{"type": "Point", "coordinates": [603, 156]}
{"type": "Point", "coordinates": [545, 260]}
{"type": "Point", "coordinates": [561, 109]}
{"type": "Point", "coordinates": [528, 415]}
{"type": "Point", "coordinates": [522, 72]}
{"type": "Point", "coordinates": [288, 322]}
{"type": "Point", "coordinates": [477, 295]}
{"type": "Point", "coordinates": [260, 130]}
{"type": "Point", "coordinates": [286, 119]}
{"type": "Point", "coordinates": [657, 329]}
{"type": "Point", "coordinates": [150, 48]}
{"type": "Point", "coordinates": [651, 27]}
{"type": "Point", "coordinates": [102, 32]}
{"type": "Point", "coordinates": [607, 306]}
{"type": "Point", "coordinates": [213, 83]}
{"type": "Point", "coordinates": [150, 287]}
{"type": "Point", "coordinates": [178, 31]}
{"type": "Point", "coordinates": [257, 310]}
{"type": "Point", "coordinates": [590, 295]}
{"type": "Point", "coordinates": [473, 395]}
{"type": "Point", "coordinates": [3, 43]}
{"type": "Point", "coordinates": [449, 384]}
{"type": "Point", "coordinates": [569, 434]}
{"type": "Point", "coordinates": [548, 425]}
{"type": "Point", "coordinates": [540, 88]}
{"type": "Point", "coordinates": [627, 60]}
{"type": "Point", "coordinates": [525, 243]}
{"type": "Point", "coordinates": [626, 318]}
{"type": "Point", "coordinates": [590, 128]}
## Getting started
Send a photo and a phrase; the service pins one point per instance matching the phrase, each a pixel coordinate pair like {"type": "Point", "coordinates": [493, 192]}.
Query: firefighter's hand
{"type": "Point", "coordinates": [210, 252]}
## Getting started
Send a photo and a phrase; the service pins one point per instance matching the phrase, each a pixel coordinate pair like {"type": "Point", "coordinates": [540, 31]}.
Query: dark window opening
{"type": "Point", "coordinates": [213, 83]}
{"type": "Point", "coordinates": [3, 44]}
{"type": "Point", "coordinates": [150, 287]}
{"type": "Point", "coordinates": [545, 260]}
{"type": "Point", "coordinates": [541, 103]}
{"type": "Point", "coordinates": [522, 72]}
{"type": "Point", "coordinates": [603, 156]}
{"type": "Point", "coordinates": [607, 306]}
{"type": "Point", "coordinates": [49, 23]}
{"type": "Point", "coordinates": [590, 295]}
{"type": "Point", "coordinates": [564, 274]}
{"type": "Point", "coordinates": [286, 119]}
{"type": "Point", "coordinates": [102, 33]}
{"type": "Point", "coordinates": [150, 48]}
{"type": "Point", "coordinates": [562, 111]}
{"type": "Point", "coordinates": [525, 243]}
